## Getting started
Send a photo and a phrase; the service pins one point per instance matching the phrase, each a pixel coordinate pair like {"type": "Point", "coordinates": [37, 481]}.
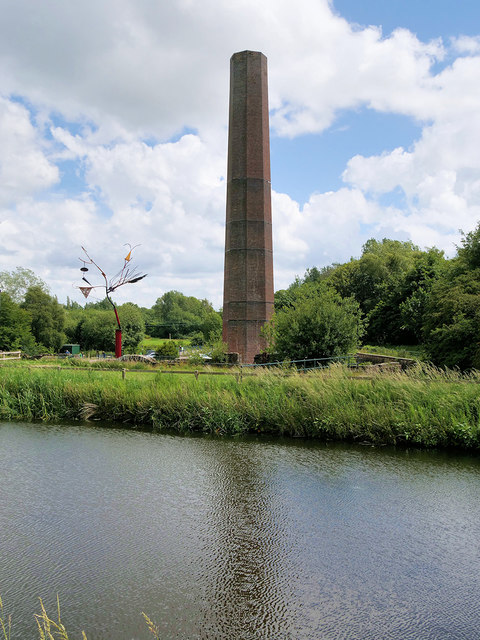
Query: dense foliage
{"type": "Point", "coordinates": [17, 282]}
{"type": "Point", "coordinates": [14, 325]}
{"type": "Point", "coordinates": [176, 316]}
{"type": "Point", "coordinates": [317, 323]}
{"type": "Point", "coordinates": [406, 295]}
{"type": "Point", "coordinates": [94, 327]}
{"type": "Point", "coordinates": [452, 320]}
{"type": "Point", "coordinates": [47, 318]}
{"type": "Point", "coordinates": [391, 282]}
{"type": "Point", "coordinates": [393, 294]}
{"type": "Point", "coordinates": [35, 325]}
{"type": "Point", "coordinates": [33, 321]}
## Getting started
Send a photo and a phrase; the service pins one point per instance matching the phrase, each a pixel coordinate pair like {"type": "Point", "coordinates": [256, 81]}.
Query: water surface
{"type": "Point", "coordinates": [236, 538]}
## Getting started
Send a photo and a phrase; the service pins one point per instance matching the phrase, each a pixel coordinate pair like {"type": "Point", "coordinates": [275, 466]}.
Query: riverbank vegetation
{"type": "Point", "coordinates": [422, 406]}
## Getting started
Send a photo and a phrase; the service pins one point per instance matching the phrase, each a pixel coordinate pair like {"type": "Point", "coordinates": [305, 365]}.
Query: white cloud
{"type": "Point", "coordinates": [109, 84]}
{"type": "Point", "coordinates": [160, 67]}
{"type": "Point", "coordinates": [440, 174]}
{"type": "Point", "coordinates": [466, 44]}
{"type": "Point", "coordinates": [24, 168]}
{"type": "Point", "coordinates": [169, 198]}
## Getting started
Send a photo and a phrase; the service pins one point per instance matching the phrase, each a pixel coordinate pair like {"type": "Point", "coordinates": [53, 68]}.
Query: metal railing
{"type": "Point", "coordinates": [307, 364]}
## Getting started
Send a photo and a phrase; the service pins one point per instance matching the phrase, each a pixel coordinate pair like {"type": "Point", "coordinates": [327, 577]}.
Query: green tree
{"type": "Point", "coordinates": [72, 304]}
{"type": "Point", "coordinates": [17, 282]}
{"type": "Point", "coordinates": [96, 330]}
{"type": "Point", "coordinates": [73, 321]}
{"type": "Point", "coordinates": [211, 326]}
{"type": "Point", "coordinates": [321, 324]}
{"type": "Point", "coordinates": [284, 298]}
{"type": "Point", "coordinates": [452, 326]}
{"type": "Point", "coordinates": [177, 315]}
{"type": "Point", "coordinates": [101, 305]}
{"type": "Point", "coordinates": [14, 326]}
{"type": "Point", "coordinates": [381, 267]}
{"type": "Point", "coordinates": [133, 326]}
{"type": "Point", "coordinates": [391, 282]}
{"type": "Point", "coordinates": [468, 253]}
{"type": "Point", "coordinates": [167, 350]}
{"type": "Point", "coordinates": [429, 267]}
{"type": "Point", "coordinates": [47, 316]}
{"type": "Point", "coordinates": [398, 316]}
{"type": "Point", "coordinates": [451, 321]}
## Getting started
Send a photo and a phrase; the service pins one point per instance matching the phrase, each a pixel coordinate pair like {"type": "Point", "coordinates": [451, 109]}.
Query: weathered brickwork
{"type": "Point", "coordinates": [248, 283]}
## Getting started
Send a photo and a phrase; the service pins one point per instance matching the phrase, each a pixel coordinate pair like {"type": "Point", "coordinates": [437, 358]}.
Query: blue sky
{"type": "Point", "coordinates": [300, 164]}
{"type": "Point", "coordinates": [114, 132]}
{"type": "Point", "coordinates": [428, 19]}
{"type": "Point", "coordinates": [315, 162]}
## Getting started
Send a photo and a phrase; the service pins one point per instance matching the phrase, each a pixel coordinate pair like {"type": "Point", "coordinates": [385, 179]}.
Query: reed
{"type": "Point", "coordinates": [50, 629]}
{"type": "Point", "coordinates": [423, 406]}
{"type": "Point", "coordinates": [5, 622]}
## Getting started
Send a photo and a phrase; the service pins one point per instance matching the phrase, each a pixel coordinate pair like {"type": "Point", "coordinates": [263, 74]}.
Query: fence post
{"type": "Point", "coordinates": [124, 372]}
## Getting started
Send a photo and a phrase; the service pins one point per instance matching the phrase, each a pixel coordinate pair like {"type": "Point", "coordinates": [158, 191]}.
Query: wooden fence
{"type": "Point", "coordinates": [10, 355]}
{"type": "Point", "coordinates": [239, 374]}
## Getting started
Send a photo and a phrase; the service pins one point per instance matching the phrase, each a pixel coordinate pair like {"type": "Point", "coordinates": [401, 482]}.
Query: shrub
{"type": "Point", "coordinates": [167, 350]}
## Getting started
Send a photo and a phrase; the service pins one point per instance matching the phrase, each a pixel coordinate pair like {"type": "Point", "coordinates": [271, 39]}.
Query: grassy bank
{"type": "Point", "coordinates": [423, 406]}
{"type": "Point", "coordinates": [407, 351]}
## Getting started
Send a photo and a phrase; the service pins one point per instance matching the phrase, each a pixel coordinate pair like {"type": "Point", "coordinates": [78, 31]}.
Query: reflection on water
{"type": "Point", "coordinates": [237, 538]}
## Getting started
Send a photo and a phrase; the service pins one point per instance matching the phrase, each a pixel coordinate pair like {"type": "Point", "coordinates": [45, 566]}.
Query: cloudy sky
{"type": "Point", "coordinates": [113, 117]}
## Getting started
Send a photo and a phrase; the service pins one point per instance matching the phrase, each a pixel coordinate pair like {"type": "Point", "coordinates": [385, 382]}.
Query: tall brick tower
{"type": "Point", "coordinates": [248, 281]}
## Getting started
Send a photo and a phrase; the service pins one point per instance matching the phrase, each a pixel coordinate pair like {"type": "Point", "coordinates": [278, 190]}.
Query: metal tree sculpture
{"type": "Point", "coordinates": [126, 275]}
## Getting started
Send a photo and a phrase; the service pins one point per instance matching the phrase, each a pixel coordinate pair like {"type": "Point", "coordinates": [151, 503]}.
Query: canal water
{"type": "Point", "coordinates": [236, 538]}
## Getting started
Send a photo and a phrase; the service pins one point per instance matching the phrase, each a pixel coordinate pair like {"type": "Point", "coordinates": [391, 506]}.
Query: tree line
{"type": "Point", "coordinates": [393, 294]}
{"type": "Point", "coordinates": [34, 321]}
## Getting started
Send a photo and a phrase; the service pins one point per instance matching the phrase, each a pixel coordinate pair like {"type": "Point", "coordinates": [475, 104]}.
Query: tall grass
{"type": "Point", "coordinates": [5, 623]}
{"type": "Point", "coordinates": [423, 406]}
{"type": "Point", "coordinates": [50, 629]}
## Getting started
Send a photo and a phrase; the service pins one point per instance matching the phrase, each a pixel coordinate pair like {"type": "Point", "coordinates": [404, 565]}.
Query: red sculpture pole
{"type": "Point", "coordinates": [118, 343]}
{"type": "Point", "coordinates": [118, 334]}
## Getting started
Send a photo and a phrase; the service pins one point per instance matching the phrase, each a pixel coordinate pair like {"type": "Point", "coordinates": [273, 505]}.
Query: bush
{"type": "Point", "coordinates": [167, 350]}
{"type": "Point", "coordinates": [320, 324]}
{"type": "Point", "coordinates": [197, 339]}
{"type": "Point", "coordinates": [218, 351]}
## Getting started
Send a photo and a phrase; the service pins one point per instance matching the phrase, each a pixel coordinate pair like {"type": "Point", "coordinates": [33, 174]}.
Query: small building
{"type": "Point", "coordinates": [74, 349]}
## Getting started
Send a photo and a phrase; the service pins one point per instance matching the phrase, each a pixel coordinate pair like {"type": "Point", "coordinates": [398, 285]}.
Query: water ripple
{"type": "Point", "coordinates": [237, 538]}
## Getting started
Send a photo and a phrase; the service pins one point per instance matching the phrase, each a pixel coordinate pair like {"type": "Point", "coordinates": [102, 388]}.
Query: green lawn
{"type": "Point", "coordinates": [154, 343]}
